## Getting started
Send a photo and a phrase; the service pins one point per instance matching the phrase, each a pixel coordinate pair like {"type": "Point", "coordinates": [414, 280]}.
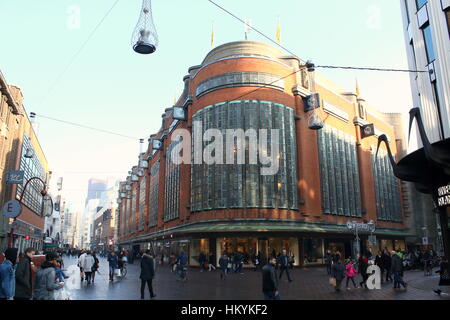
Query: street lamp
{"type": "Point", "coordinates": [145, 38]}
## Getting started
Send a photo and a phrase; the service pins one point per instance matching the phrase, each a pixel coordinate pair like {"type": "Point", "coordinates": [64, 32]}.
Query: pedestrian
{"type": "Point", "coordinates": [182, 266]}
{"type": "Point", "coordinates": [444, 279]}
{"type": "Point", "coordinates": [270, 280]}
{"type": "Point", "coordinates": [95, 266]}
{"type": "Point", "coordinates": [87, 262]}
{"type": "Point", "coordinates": [350, 273]}
{"type": "Point", "coordinates": [147, 273]}
{"type": "Point", "coordinates": [7, 274]}
{"type": "Point", "coordinates": [362, 268]}
{"type": "Point", "coordinates": [24, 289]}
{"type": "Point", "coordinates": [328, 261]}
{"type": "Point", "coordinates": [239, 262]}
{"type": "Point", "coordinates": [46, 284]}
{"type": "Point", "coordinates": [223, 264]}
{"type": "Point", "coordinates": [283, 262]}
{"type": "Point", "coordinates": [113, 264]}
{"type": "Point", "coordinates": [338, 273]}
{"type": "Point", "coordinates": [396, 270]}
{"type": "Point", "coordinates": [387, 261]}
{"type": "Point", "coordinates": [211, 262]}
{"type": "Point", "coordinates": [81, 256]}
{"type": "Point", "coordinates": [379, 263]}
{"type": "Point", "coordinates": [202, 261]}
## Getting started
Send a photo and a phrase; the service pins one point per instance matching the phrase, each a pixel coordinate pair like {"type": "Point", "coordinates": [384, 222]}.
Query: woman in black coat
{"type": "Point", "coordinates": [445, 276]}
{"type": "Point", "coordinates": [147, 273]}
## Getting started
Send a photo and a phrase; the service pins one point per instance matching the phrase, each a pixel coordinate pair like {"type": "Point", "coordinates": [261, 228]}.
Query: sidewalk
{"type": "Point", "coordinates": [308, 284]}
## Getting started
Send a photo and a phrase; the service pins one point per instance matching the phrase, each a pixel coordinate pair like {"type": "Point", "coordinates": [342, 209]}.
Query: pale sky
{"type": "Point", "coordinates": [110, 87]}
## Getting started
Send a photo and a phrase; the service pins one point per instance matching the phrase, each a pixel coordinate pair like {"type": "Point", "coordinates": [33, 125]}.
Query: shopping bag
{"type": "Point", "coordinates": [332, 282]}
{"type": "Point", "coordinates": [117, 272]}
{"type": "Point", "coordinates": [62, 294]}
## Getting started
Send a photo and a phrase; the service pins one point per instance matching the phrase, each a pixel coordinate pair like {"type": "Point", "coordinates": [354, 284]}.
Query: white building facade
{"type": "Point", "coordinates": [427, 35]}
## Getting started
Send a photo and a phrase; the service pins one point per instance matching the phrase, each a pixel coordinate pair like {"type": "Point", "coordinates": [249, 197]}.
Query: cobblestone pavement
{"type": "Point", "coordinates": [308, 284]}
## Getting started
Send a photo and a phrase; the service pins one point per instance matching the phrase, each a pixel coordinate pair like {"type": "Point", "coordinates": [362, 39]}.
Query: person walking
{"type": "Point", "coordinates": [24, 288]}
{"type": "Point", "coordinates": [147, 273]}
{"type": "Point", "coordinates": [396, 270]}
{"type": "Point", "coordinates": [113, 262]}
{"type": "Point", "coordinates": [387, 261]}
{"type": "Point", "coordinates": [379, 263]}
{"type": "Point", "coordinates": [270, 280]}
{"type": "Point", "coordinates": [46, 285]}
{"type": "Point", "coordinates": [239, 261]}
{"type": "Point", "coordinates": [182, 266]}
{"type": "Point", "coordinates": [283, 262]}
{"type": "Point", "coordinates": [223, 264]}
{"type": "Point", "coordinates": [87, 262]}
{"type": "Point", "coordinates": [211, 262]}
{"type": "Point", "coordinates": [338, 272]}
{"type": "Point", "coordinates": [362, 268]}
{"type": "Point", "coordinates": [444, 279]}
{"type": "Point", "coordinates": [95, 266]}
{"type": "Point", "coordinates": [81, 256]}
{"type": "Point", "coordinates": [350, 273]}
{"type": "Point", "coordinates": [328, 261]}
{"type": "Point", "coordinates": [7, 274]}
{"type": "Point", "coordinates": [202, 260]}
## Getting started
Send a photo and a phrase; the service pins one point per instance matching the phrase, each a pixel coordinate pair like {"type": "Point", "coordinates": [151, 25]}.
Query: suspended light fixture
{"type": "Point", "coordinates": [29, 153]}
{"type": "Point", "coordinates": [312, 102]}
{"type": "Point", "coordinates": [145, 38]}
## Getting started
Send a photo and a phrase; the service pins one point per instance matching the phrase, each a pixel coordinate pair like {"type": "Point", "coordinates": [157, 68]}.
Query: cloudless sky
{"type": "Point", "coordinates": [110, 87]}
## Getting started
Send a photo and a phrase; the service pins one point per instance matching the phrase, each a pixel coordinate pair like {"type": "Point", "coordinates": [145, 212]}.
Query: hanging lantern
{"type": "Point", "coordinates": [312, 102]}
{"type": "Point", "coordinates": [145, 39]}
{"type": "Point", "coordinates": [314, 121]}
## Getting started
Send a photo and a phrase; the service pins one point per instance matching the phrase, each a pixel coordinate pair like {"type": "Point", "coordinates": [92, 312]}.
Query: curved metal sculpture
{"type": "Point", "coordinates": [43, 192]}
{"type": "Point", "coordinates": [440, 156]}
{"type": "Point", "coordinates": [145, 38]}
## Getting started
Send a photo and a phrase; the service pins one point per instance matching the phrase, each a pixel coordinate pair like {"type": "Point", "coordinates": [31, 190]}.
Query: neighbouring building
{"type": "Point", "coordinates": [325, 178]}
{"type": "Point", "coordinates": [18, 139]}
{"type": "Point", "coordinates": [427, 35]}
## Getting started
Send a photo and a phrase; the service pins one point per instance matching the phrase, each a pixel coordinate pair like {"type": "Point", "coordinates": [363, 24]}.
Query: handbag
{"type": "Point", "coordinates": [332, 282]}
{"type": "Point", "coordinates": [117, 272]}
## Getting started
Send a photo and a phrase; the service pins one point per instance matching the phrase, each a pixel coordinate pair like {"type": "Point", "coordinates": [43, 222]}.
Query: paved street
{"type": "Point", "coordinates": [309, 284]}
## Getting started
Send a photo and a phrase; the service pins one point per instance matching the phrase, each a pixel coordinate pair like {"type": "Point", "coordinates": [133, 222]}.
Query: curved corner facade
{"type": "Point", "coordinates": [321, 179]}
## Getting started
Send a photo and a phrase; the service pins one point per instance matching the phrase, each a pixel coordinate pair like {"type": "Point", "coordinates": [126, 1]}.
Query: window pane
{"type": "Point", "coordinates": [429, 43]}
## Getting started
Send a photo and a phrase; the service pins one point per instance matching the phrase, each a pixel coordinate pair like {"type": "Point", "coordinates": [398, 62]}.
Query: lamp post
{"type": "Point", "coordinates": [355, 226]}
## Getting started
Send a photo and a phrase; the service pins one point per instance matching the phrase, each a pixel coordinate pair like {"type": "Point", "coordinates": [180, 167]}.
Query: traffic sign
{"type": "Point", "coordinates": [12, 209]}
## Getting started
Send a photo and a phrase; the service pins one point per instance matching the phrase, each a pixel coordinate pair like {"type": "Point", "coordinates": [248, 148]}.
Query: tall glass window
{"type": "Point", "coordinates": [142, 198]}
{"type": "Point", "coordinates": [153, 194]}
{"type": "Point", "coordinates": [236, 185]}
{"type": "Point", "coordinates": [172, 186]}
{"type": "Point", "coordinates": [420, 3]}
{"type": "Point", "coordinates": [386, 188]}
{"type": "Point", "coordinates": [339, 173]}
{"type": "Point", "coordinates": [429, 43]}
{"type": "Point", "coordinates": [31, 167]}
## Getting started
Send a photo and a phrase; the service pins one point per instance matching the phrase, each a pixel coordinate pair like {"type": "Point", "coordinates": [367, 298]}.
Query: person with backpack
{"type": "Point", "coordinates": [338, 273]}
{"type": "Point", "coordinates": [350, 273]}
{"type": "Point", "coordinates": [397, 271]}
{"type": "Point", "coordinates": [87, 261]}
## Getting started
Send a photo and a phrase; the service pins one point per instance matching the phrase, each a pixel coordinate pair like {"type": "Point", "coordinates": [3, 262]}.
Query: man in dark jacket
{"type": "Point", "coordinates": [270, 280]}
{"type": "Point", "coordinates": [396, 270]}
{"type": "Point", "coordinates": [386, 261]}
{"type": "Point", "coordinates": [147, 273]}
{"type": "Point", "coordinates": [338, 272]}
{"type": "Point", "coordinates": [328, 261]}
{"type": "Point", "coordinates": [113, 261]}
{"type": "Point", "coordinates": [23, 277]}
{"type": "Point", "coordinates": [223, 263]}
{"type": "Point", "coordinates": [239, 261]}
{"type": "Point", "coordinates": [283, 262]}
